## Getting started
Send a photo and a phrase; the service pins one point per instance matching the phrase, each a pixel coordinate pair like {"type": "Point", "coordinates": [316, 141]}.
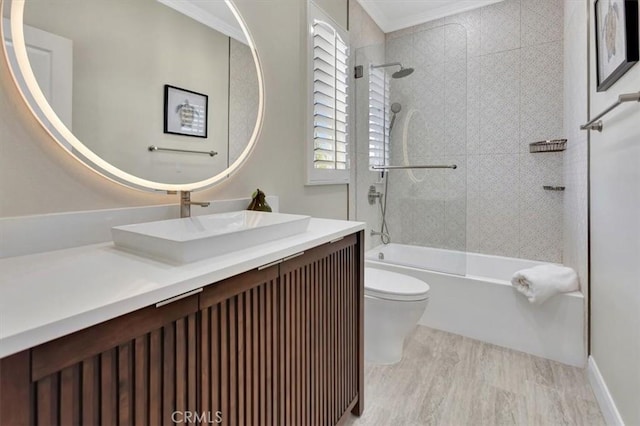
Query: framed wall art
{"type": "Point", "coordinates": [616, 39]}
{"type": "Point", "coordinates": [185, 112]}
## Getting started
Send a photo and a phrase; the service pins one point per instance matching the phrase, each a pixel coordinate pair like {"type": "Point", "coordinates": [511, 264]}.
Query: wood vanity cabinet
{"type": "Point", "coordinates": [282, 344]}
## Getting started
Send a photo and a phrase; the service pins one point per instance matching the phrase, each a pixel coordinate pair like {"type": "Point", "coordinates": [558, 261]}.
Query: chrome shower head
{"type": "Point", "coordinates": [403, 72]}
{"type": "Point", "coordinates": [395, 108]}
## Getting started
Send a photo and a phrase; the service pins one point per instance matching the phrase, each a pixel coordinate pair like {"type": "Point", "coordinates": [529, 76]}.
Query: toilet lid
{"type": "Point", "coordinates": [393, 286]}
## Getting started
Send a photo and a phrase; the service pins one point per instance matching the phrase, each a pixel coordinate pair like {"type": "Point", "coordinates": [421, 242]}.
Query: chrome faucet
{"type": "Point", "coordinates": [380, 234]}
{"type": "Point", "coordinates": [186, 203]}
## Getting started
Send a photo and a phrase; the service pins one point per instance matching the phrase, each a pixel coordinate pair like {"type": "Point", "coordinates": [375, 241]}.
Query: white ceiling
{"type": "Point", "coordinates": [392, 15]}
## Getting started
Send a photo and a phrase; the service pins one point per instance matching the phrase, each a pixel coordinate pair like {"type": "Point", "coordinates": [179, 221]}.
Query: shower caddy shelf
{"type": "Point", "coordinates": [553, 145]}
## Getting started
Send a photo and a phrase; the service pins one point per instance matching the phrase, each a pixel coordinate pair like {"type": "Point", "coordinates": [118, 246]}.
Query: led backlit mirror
{"type": "Point", "coordinates": [154, 94]}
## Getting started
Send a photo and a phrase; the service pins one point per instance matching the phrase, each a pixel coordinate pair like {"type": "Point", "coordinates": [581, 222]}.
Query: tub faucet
{"type": "Point", "coordinates": [186, 203]}
{"type": "Point", "coordinates": [380, 234]}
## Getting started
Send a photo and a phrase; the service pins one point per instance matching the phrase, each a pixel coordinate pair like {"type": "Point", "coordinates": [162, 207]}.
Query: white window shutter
{"type": "Point", "coordinates": [328, 153]}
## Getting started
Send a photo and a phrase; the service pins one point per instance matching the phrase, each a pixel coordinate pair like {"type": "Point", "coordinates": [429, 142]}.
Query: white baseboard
{"type": "Point", "coordinates": [605, 400]}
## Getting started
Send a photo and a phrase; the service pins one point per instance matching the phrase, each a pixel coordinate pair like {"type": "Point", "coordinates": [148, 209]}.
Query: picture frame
{"type": "Point", "coordinates": [185, 112]}
{"type": "Point", "coordinates": [617, 40]}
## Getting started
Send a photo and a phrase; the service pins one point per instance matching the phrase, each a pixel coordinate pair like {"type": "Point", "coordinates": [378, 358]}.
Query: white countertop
{"type": "Point", "coordinates": [48, 295]}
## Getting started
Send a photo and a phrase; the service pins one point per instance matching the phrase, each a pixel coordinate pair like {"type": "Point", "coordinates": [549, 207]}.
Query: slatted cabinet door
{"type": "Point", "coordinates": [241, 363]}
{"type": "Point", "coordinates": [282, 345]}
{"type": "Point", "coordinates": [136, 369]}
{"type": "Point", "coordinates": [324, 290]}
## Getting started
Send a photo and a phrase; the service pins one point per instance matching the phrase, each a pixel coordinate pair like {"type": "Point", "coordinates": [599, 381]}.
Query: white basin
{"type": "Point", "coordinates": [195, 238]}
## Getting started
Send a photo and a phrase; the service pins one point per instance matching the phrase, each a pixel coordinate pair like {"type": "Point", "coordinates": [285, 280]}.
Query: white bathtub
{"type": "Point", "coordinates": [471, 295]}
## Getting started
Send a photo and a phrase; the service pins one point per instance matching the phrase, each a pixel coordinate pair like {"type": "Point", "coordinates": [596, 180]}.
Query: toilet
{"type": "Point", "coordinates": [393, 304]}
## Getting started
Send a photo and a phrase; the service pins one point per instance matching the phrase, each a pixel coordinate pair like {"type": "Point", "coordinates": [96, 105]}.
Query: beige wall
{"type": "Point", "coordinates": [337, 9]}
{"type": "Point", "coordinates": [36, 176]}
{"type": "Point", "coordinates": [615, 241]}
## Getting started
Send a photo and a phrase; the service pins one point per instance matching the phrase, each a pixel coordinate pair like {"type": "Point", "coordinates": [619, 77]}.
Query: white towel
{"type": "Point", "coordinates": [541, 282]}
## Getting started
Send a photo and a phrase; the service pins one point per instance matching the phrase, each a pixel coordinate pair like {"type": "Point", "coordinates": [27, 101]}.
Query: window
{"type": "Point", "coordinates": [328, 156]}
{"type": "Point", "coordinates": [378, 117]}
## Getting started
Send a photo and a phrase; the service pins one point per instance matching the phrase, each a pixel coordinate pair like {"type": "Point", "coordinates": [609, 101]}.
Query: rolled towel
{"type": "Point", "coordinates": [541, 282]}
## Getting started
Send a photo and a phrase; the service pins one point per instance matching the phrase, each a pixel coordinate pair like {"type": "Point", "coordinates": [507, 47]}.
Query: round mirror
{"type": "Point", "coordinates": [154, 94]}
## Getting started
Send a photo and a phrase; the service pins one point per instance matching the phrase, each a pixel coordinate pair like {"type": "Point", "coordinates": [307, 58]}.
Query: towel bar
{"type": "Point", "coordinates": [157, 148]}
{"type": "Point", "coordinates": [596, 124]}
{"type": "Point", "coordinates": [419, 166]}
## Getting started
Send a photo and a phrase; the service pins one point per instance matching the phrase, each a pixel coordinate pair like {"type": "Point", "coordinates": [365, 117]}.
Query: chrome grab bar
{"type": "Point", "coordinates": [596, 124]}
{"type": "Point", "coordinates": [157, 148]}
{"type": "Point", "coordinates": [418, 166]}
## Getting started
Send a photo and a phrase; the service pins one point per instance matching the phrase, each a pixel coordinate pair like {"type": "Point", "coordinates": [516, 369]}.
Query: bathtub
{"type": "Point", "coordinates": [471, 295]}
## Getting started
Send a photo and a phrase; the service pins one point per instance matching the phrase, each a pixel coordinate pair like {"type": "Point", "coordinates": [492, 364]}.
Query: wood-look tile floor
{"type": "Point", "coordinates": [446, 379]}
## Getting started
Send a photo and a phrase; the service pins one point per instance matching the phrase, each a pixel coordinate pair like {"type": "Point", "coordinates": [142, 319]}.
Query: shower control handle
{"type": "Point", "coordinates": [372, 195]}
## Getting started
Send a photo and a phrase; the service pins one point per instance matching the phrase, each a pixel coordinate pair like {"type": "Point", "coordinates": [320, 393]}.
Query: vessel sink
{"type": "Point", "coordinates": [195, 238]}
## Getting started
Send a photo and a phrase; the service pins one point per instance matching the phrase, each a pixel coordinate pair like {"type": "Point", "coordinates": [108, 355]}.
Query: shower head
{"type": "Point", "coordinates": [403, 72]}
{"type": "Point", "coordinates": [395, 108]}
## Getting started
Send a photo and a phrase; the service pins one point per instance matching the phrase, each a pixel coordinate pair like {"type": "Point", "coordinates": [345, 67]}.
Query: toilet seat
{"type": "Point", "coordinates": [393, 286]}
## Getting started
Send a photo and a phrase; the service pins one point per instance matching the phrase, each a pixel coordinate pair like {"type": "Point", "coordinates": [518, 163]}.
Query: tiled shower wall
{"type": "Point", "coordinates": [243, 97]}
{"type": "Point", "coordinates": [428, 207]}
{"type": "Point", "coordinates": [514, 86]}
